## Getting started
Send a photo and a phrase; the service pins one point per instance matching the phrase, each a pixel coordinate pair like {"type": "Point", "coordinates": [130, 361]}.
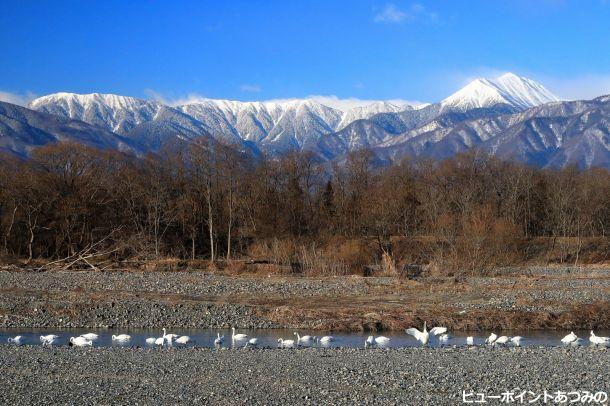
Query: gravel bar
{"type": "Point", "coordinates": [63, 375]}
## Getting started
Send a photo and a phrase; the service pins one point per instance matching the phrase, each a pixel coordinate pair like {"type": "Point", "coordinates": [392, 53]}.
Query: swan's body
{"type": "Point", "coordinates": [90, 336]}
{"type": "Point", "coordinates": [491, 339]}
{"type": "Point", "coordinates": [237, 336]}
{"type": "Point", "coordinates": [577, 342]}
{"type": "Point", "coordinates": [380, 340]}
{"type": "Point", "coordinates": [424, 336]}
{"type": "Point", "coordinates": [570, 338]}
{"type": "Point", "coordinates": [81, 342]}
{"type": "Point", "coordinates": [160, 341]}
{"type": "Point", "coordinates": [470, 340]}
{"type": "Point", "coordinates": [502, 340]}
{"type": "Point", "coordinates": [598, 340]}
{"type": "Point", "coordinates": [286, 343]}
{"type": "Point", "coordinates": [121, 337]}
{"type": "Point", "coordinates": [17, 340]}
{"type": "Point", "coordinates": [169, 337]}
{"type": "Point", "coordinates": [304, 339]}
{"type": "Point", "coordinates": [219, 339]}
{"type": "Point", "coordinates": [183, 340]}
{"type": "Point", "coordinates": [252, 342]}
{"type": "Point", "coordinates": [326, 339]}
{"type": "Point", "coordinates": [49, 339]}
{"type": "Point", "coordinates": [151, 340]}
{"type": "Point", "coordinates": [516, 341]}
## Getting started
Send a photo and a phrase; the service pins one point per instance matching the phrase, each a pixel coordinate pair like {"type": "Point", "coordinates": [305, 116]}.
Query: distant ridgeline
{"type": "Point", "coordinates": [509, 117]}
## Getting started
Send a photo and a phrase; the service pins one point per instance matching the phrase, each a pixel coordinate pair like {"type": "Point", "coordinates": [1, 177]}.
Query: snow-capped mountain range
{"type": "Point", "coordinates": [485, 113]}
{"type": "Point", "coordinates": [276, 126]}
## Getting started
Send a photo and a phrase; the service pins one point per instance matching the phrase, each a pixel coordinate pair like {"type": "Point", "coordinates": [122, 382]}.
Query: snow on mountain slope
{"type": "Point", "coordinates": [368, 111]}
{"type": "Point", "coordinates": [119, 114]}
{"type": "Point", "coordinates": [22, 129]}
{"type": "Point", "coordinates": [510, 89]}
{"type": "Point", "coordinates": [275, 125]}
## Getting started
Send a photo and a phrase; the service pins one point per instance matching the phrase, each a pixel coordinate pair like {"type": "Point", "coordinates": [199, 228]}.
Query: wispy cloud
{"type": "Point", "coordinates": [391, 14]}
{"type": "Point", "coordinates": [333, 101]}
{"type": "Point", "coordinates": [21, 99]}
{"type": "Point", "coordinates": [190, 98]}
{"type": "Point", "coordinates": [588, 86]}
{"type": "Point", "coordinates": [250, 88]}
{"type": "Point", "coordinates": [345, 104]}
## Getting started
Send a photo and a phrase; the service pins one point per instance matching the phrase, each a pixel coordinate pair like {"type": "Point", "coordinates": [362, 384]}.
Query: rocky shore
{"type": "Point", "coordinates": [63, 375]}
{"type": "Point", "coordinates": [534, 299]}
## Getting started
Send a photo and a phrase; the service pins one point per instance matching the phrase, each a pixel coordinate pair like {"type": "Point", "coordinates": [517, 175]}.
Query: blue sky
{"type": "Point", "coordinates": [257, 50]}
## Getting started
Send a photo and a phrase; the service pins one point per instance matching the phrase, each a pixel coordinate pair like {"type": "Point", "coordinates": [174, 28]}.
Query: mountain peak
{"type": "Point", "coordinates": [510, 89]}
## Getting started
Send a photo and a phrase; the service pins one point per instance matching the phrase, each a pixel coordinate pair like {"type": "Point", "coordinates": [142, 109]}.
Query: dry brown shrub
{"type": "Point", "coordinates": [235, 267]}
{"type": "Point", "coordinates": [313, 261]}
{"type": "Point", "coordinates": [355, 254]}
{"type": "Point", "coordinates": [277, 251]}
{"type": "Point", "coordinates": [388, 265]}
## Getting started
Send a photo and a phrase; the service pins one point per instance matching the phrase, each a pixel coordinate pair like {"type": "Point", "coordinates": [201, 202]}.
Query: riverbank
{"type": "Point", "coordinates": [63, 375]}
{"type": "Point", "coordinates": [520, 299]}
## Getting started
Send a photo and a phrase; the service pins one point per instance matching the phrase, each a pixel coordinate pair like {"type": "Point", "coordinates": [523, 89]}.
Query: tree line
{"type": "Point", "coordinates": [208, 201]}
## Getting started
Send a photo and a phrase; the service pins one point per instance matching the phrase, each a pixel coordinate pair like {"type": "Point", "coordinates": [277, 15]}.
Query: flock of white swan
{"type": "Point", "coordinates": [439, 334]}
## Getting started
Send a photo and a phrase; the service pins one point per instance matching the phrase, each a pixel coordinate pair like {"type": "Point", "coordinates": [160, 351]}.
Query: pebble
{"type": "Point", "coordinates": [415, 376]}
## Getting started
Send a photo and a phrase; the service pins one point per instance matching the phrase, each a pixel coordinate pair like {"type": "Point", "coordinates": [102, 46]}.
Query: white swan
{"type": "Point", "coordinates": [169, 337]}
{"type": "Point", "coordinates": [577, 342]}
{"type": "Point", "coordinates": [424, 336]}
{"type": "Point", "coordinates": [444, 338]}
{"type": "Point", "coordinates": [598, 340]}
{"type": "Point", "coordinates": [17, 340]}
{"type": "Point", "coordinates": [570, 338]}
{"type": "Point", "coordinates": [160, 341]}
{"type": "Point", "coordinates": [470, 340]}
{"type": "Point", "coordinates": [285, 343]}
{"type": "Point", "coordinates": [516, 341]}
{"type": "Point", "coordinates": [90, 336]}
{"type": "Point", "coordinates": [237, 336]}
{"type": "Point", "coordinates": [501, 340]}
{"type": "Point", "coordinates": [373, 341]}
{"type": "Point", "coordinates": [491, 339]}
{"type": "Point", "coordinates": [151, 340]}
{"type": "Point", "coordinates": [183, 340]}
{"type": "Point", "coordinates": [303, 340]}
{"type": "Point", "coordinates": [81, 342]}
{"type": "Point", "coordinates": [49, 339]}
{"type": "Point", "coordinates": [121, 337]}
{"type": "Point", "coordinates": [219, 339]}
{"type": "Point", "coordinates": [252, 342]}
{"type": "Point", "coordinates": [325, 340]}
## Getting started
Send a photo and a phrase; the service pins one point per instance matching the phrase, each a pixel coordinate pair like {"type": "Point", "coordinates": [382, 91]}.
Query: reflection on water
{"type": "Point", "coordinates": [268, 338]}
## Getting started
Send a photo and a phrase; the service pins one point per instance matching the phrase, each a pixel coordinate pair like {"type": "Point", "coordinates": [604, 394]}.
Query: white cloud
{"type": "Point", "coordinates": [333, 101]}
{"type": "Point", "coordinates": [390, 14]}
{"type": "Point", "coordinates": [190, 98]}
{"type": "Point", "coordinates": [250, 88]}
{"type": "Point", "coordinates": [16, 98]}
{"type": "Point", "coordinates": [351, 102]}
{"type": "Point", "coordinates": [584, 87]}
{"type": "Point", "coordinates": [415, 12]}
